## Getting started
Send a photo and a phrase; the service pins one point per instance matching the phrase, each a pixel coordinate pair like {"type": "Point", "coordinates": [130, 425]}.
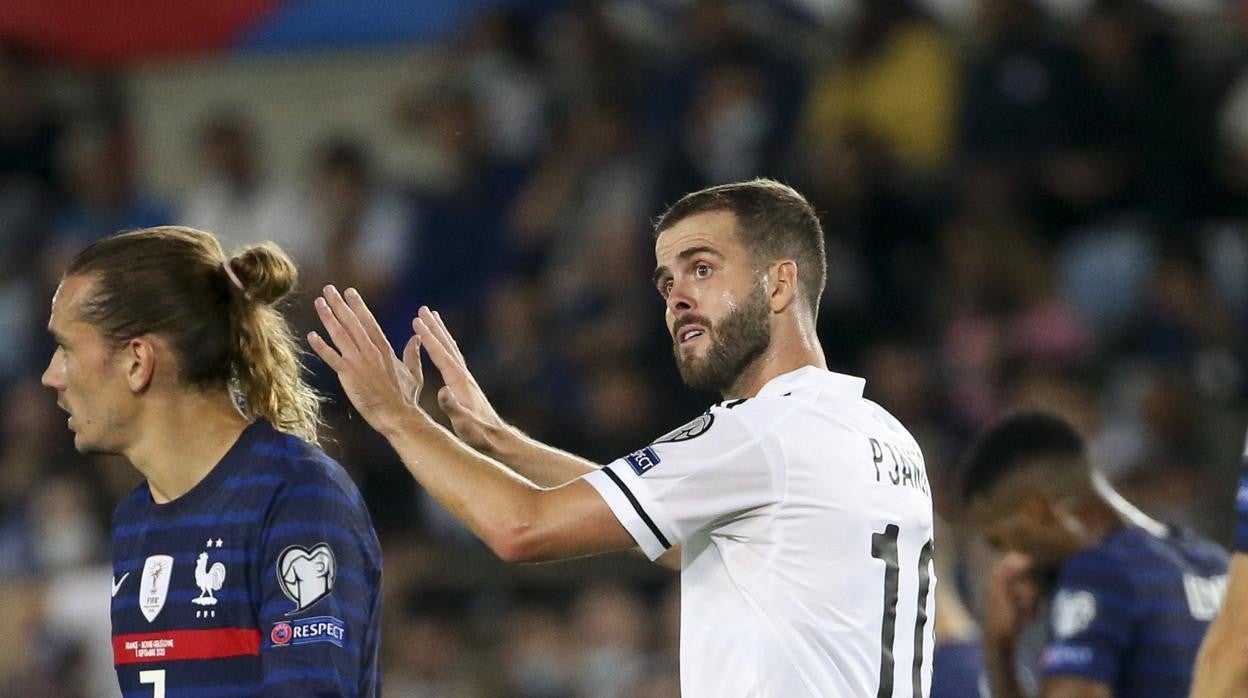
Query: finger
{"type": "Point", "coordinates": [348, 319]}
{"type": "Point", "coordinates": [326, 352]}
{"type": "Point", "coordinates": [438, 328]}
{"type": "Point", "coordinates": [337, 333]}
{"type": "Point", "coordinates": [371, 327]}
{"type": "Point", "coordinates": [411, 357]}
{"type": "Point", "coordinates": [449, 338]}
{"type": "Point", "coordinates": [437, 351]}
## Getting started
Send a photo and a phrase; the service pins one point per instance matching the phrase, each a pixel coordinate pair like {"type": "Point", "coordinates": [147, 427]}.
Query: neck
{"type": "Point", "coordinates": [793, 345]}
{"type": "Point", "coordinates": [1108, 512]}
{"type": "Point", "coordinates": [182, 438]}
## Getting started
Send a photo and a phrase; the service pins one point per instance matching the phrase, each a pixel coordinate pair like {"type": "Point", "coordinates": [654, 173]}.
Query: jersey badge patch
{"type": "Point", "coordinates": [1073, 612]}
{"type": "Point", "coordinates": [643, 460]}
{"type": "Point", "coordinates": [208, 579]}
{"type": "Point", "coordinates": [306, 631]}
{"type": "Point", "coordinates": [306, 575]}
{"type": "Point", "coordinates": [154, 586]}
{"type": "Point", "coordinates": [692, 430]}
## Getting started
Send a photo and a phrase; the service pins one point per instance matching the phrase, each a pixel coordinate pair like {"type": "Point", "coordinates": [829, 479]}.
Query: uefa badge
{"type": "Point", "coordinates": [306, 575]}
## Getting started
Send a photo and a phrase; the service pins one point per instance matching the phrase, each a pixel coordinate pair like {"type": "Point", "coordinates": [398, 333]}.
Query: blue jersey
{"type": "Point", "coordinates": [264, 579]}
{"type": "Point", "coordinates": [1131, 612]}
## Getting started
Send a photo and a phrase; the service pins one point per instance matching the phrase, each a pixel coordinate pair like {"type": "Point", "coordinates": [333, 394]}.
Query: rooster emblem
{"type": "Point", "coordinates": [209, 579]}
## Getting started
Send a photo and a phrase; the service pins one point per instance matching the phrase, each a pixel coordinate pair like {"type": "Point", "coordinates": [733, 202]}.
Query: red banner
{"type": "Point", "coordinates": [174, 645]}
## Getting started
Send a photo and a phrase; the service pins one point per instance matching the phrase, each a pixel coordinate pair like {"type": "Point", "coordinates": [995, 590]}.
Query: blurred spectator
{"type": "Point", "coordinates": [236, 200]}
{"type": "Point", "coordinates": [1137, 139]}
{"type": "Point", "coordinates": [364, 229]}
{"type": "Point", "coordinates": [536, 652]}
{"type": "Point", "coordinates": [585, 58]}
{"type": "Point", "coordinates": [608, 624]}
{"type": "Point", "coordinates": [462, 212]}
{"type": "Point", "coordinates": [102, 197]}
{"type": "Point", "coordinates": [724, 105]}
{"type": "Point", "coordinates": [28, 128]}
{"type": "Point", "coordinates": [1022, 85]}
{"type": "Point", "coordinates": [897, 84]}
{"type": "Point", "coordinates": [498, 67]}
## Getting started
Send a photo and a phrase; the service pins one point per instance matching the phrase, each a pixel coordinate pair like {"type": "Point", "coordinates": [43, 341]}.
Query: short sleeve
{"type": "Point", "coordinates": [713, 469]}
{"type": "Point", "coordinates": [320, 577]}
{"type": "Point", "coordinates": [1091, 620]}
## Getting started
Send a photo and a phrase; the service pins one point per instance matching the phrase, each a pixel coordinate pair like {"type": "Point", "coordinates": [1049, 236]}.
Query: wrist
{"type": "Point", "coordinates": [503, 442]}
{"type": "Point", "coordinates": [400, 421]}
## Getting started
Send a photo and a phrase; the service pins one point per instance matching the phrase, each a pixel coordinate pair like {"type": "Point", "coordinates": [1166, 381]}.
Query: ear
{"type": "Point", "coordinates": [139, 356]}
{"type": "Point", "coordinates": [782, 288]}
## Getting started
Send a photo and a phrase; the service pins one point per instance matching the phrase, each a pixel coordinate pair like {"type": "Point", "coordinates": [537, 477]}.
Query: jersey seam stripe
{"type": "Point", "coordinates": [637, 506]}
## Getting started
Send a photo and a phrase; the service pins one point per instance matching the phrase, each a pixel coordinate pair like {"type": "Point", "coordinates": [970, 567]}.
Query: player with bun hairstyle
{"type": "Point", "coordinates": [246, 563]}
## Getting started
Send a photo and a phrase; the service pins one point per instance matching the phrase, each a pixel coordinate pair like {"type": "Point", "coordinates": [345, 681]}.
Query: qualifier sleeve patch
{"type": "Point", "coordinates": [306, 575]}
{"type": "Point", "coordinates": [692, 430]}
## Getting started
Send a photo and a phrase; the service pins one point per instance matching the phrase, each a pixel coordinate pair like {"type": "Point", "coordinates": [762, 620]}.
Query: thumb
{"type": "Point", "coordinates": [449, 404]}
{"type": "Point", "coordinates": [411, 355]}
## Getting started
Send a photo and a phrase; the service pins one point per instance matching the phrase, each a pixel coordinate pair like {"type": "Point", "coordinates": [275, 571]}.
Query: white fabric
{"type": "Point", "coordinates": [778, 503]}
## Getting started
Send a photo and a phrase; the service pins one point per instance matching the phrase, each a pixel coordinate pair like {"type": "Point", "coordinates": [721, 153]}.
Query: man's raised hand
{"type": "Point", "coordinates": [380, 385]}
{"type": "Point", "coordinates": [472, 416]}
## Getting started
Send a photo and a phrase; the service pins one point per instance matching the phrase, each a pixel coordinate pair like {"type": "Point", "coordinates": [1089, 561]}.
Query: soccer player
{"type": "Point", "coordinates": [246, 564]}
{"type": "Point", "coordinates": [802, 510]}
{"type": "Point", "coordinates": [1132, 596]}
{"type": "Point", "coordinates": [1222, 665]}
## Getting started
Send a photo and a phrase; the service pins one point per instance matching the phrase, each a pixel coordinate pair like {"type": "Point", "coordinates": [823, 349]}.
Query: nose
{"type": "Point", "coordinates": [679, 300]}
{"type": "Point", "coordinates": [54, 375]}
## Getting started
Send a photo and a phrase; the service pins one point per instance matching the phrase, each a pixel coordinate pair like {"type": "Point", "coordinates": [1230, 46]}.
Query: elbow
{"type": "Point", "coordinates": [515, 543]}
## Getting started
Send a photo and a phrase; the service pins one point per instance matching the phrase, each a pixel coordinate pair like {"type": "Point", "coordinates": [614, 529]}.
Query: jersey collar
{"type": "Point", "coordinates": [814, 377]}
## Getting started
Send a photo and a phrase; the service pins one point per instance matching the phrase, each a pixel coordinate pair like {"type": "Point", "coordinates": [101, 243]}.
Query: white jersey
{"type": "Point", "coordinates": [806, 520]}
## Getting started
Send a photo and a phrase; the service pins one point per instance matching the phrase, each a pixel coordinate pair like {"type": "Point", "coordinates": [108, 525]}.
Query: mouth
{"type": "Point", "coordinates": [689, 333]}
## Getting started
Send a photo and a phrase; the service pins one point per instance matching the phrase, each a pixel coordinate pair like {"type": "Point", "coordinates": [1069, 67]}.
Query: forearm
{"type": "Point", "coordinates": [491, 500]}
{"type": "Point", "coordinates": [544, 465]}
{"type": "Point", "coordinates": [1222, 665]}
{"type": "Point", "coordinates": [1002, 669]}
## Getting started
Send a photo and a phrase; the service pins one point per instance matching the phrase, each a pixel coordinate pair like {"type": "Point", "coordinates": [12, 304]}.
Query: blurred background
{"type": "Point", "coordinates": [1037, 203]}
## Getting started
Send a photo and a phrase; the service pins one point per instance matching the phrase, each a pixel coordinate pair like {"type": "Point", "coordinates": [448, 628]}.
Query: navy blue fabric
{"type": "Point", "coordinates": [1136, 608]}
{"type": "Point", "coordinates": [271, 497]}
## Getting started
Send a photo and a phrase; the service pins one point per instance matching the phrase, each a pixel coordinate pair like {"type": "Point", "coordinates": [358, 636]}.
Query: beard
{"type": "Point", "coordinates": [736, 341]}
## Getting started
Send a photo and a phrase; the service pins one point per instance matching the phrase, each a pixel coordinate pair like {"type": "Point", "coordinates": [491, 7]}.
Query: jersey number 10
{"type": "Point", "coordinates": [884, 547]}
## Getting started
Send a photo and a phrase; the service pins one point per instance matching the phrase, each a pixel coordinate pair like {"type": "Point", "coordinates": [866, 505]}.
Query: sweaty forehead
{"type": "Point", "coordinates": [713, 229]}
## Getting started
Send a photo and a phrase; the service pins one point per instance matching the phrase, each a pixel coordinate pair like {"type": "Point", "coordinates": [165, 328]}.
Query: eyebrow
{"type": "Point", "coordinates": [686, 254]}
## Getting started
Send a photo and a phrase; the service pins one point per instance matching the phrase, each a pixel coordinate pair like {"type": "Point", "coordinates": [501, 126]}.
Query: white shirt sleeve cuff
{"type": "Point", "coordinates": [630, 512]}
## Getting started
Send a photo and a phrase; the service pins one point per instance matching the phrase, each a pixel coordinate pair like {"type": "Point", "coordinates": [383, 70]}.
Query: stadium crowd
{"type": "Point", "coordinates": [1023, 207]}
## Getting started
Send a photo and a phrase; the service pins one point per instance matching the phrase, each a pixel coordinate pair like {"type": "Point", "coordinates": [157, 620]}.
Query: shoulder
{"type": "Point", "coordinates": [729, 424]}
{"type": "Point", "coordinates": [1135, 552]}
{"type": "Point", "coordinates": [1111, 556]}
{"type": "Point", "coordinates": [291, 467]}
{"type": "Point", "coordinates": [133, 505]}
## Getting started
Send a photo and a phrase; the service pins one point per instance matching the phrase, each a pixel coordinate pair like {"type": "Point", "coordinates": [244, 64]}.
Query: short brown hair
{"type": "Point", "coordinates": [774, 222]}
{"type": "Point", "coordinates": [171, 281]}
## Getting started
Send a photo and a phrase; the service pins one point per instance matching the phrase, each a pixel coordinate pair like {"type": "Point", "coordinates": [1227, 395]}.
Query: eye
{"type": "Point", "coordinates": [702, 270]}
{"type": "Point", "coordinates": [665, 288]}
